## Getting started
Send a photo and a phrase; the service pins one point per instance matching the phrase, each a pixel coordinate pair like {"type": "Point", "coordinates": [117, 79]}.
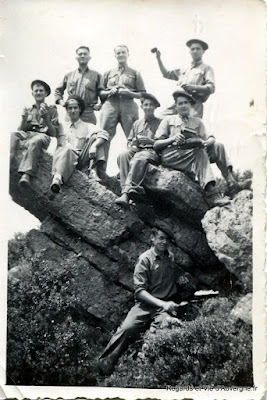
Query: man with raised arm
{"type": "Point", "coordinates": [80, 144]}
{"type": "Point", "coordinates": [119, 87]}
{"type": "Point", "coordinates": [38, 124]}
{"type": "Point", "coordinates": [155, 290]}
{"type": "Point", "coordinates": [197, 80]}
{"type": "Point", "coordinates": [83, 82]}
{"type": "Point", "coordinates": [134, 161]}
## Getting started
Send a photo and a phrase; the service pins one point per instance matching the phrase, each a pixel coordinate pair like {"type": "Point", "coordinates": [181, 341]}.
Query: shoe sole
{"type": "Point", "coordinates": [55, 188]}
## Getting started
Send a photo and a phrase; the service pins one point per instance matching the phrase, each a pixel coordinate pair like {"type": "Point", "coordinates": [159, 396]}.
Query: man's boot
{"type": "Point", "coordinates": [123, 201]}
{"type": "Point", "coordinates": [100, 173]}
{"type": "Point", "coordinates": [235, 187]}
{"type": "Point", "coordinates": [214, 199]}
{"type": "Point", "coordinates": [25, 180]}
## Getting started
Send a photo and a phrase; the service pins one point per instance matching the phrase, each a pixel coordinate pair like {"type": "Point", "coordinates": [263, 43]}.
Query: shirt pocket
{"type": "Point", "coordinates": [198, 77]}
{"type": "Point", "coordinates": [112, 80]}
{"type": "Point", "coordinates": [175, 128]}
{"type": "Point", "coordinates": [129, 80]}
{"type": "Point", "coordinates": [90, 84]}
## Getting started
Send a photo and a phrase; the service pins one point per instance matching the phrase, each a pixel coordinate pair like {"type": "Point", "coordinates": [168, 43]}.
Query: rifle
{"type": "Point", "coordinates": [200, 295]}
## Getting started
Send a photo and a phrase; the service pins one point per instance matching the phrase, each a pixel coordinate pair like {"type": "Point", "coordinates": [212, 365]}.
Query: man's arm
{"type": "Point", "coordinates": [59, 92]}
{"type": "Point", "coordinates": [146, 297]}
{"type": "Point", "coordinates": [50, 117]}
{"type": "Point", "coordinates": [208, 86]}
{"type": "Point", "coordinates": [163, 139]}
{"type": "Point", "coordinates": [101, 137]}
{"type": "Point", "coordinates": [24, 117]}
{"type": "Point", "coordinates": [173, 75]}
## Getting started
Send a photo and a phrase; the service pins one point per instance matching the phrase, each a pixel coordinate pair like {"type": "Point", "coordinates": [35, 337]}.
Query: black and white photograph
{"type": "Point", "coordinates": [133, 163]}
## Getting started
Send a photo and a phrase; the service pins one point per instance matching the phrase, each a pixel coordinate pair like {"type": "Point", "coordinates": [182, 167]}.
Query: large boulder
{"type": "Point", "coordinates": [229, 234]}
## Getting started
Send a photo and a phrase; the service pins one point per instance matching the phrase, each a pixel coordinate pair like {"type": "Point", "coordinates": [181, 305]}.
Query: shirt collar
{"type": "Point", "coordinates": [34, 106]}
{"type": "Point", "coordinates": [74, 124]}
{"type": "Point", "coordinates": [196, 63]}
{"type": "Point", "coordinates": [156, 255]}
{"type": "Point", "coordinates": [149, 120]}
{"type": "Point", "coordinates": [86, 70]}
{"type": "Point", "coordinates": [122, 68]}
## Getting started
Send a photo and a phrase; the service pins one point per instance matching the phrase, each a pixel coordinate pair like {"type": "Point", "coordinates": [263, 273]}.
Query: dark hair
{"type": "Point", "coordinates": [79, 101]}
{"type": "Point", "coordinates": [121, 45]}
{"type": "Point", "coordinates": [83, 47]}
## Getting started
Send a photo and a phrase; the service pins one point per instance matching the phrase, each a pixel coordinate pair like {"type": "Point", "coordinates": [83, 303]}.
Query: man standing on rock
{"type": "Point", "coordinates": [134, 161]}
{"type": "Point", "coordinates": [39, 123]}
{"type": "Point", "coordinates": [197, 80]}
{"type": "Point", "coordinates": [155, 290]}
{"type": "Point", "coordinates": [119, 87]}
{"type": "Point", "coordinates": [182, 142]}
{"type": "Point", "coordinates": [81, 143]}
{"type": "Point", "coordinates": [83, 82]}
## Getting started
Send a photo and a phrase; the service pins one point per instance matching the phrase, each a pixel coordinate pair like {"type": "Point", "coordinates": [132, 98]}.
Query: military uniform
{"type": "Point", "coordinates": [134, 161]}
{"type": "Point", "coordinates": [194, 160]}
{"type": "Point", "coordinates": [84, 84]}
{"type": "Point", "coordinates": [118, 108]}
{"type": "Point", "coordinates": [156, 275]}
{"type": "Point", "coordinates": [35, 138]}
{"type": "Point", "coordinates": [74, 148]}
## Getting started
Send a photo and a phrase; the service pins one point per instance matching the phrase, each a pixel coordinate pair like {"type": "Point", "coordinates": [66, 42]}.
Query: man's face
{"type": "Point", "coordinates": [160, 241]}
{"type": "Point", "coordinates": [73, 110]}
{"type": "Point", "coordinates": [183, 106]}
{"type": "Point", "coordinates": [196, 51]}
{"type": "Point", "coordinates": [83, 57]}
{"type": "Point", "coordinates": [121, 54]}
{"type": "Point", "coordinates": [148, 107]}
{"type": "Point", "coordinates": [39, 93]}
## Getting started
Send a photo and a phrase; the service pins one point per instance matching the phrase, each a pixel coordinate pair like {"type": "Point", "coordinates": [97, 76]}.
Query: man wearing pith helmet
{"type": "Point", "coordinates": [134, 161]}
{"type": "Point", "coordinates": [38, 124]}
{"type": "Point", "coordinates": [197, 79]}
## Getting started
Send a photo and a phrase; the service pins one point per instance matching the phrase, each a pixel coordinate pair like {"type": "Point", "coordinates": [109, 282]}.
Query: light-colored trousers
{"type": "Point", "coordinates": [197, 161]}
{"type": "Point", "coordinates": [34, 143]}
{"type": "Point", "coordinates": [133, 167]}
{"type": "Point", "coordinates": [65, 159]}
{"type": "Point", "coordinates": [118, 110]}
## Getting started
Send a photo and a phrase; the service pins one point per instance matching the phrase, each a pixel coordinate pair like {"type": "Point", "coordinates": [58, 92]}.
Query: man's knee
{"type": "Point", "coordinates": [36, 142]}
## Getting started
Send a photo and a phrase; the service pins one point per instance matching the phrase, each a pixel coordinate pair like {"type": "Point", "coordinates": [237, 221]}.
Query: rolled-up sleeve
{"type": "Point", "coordinates": [141, 274]}
{"type": "Point", "coordinates": [140, 86]}
{"type": "Point", "coordinates": [210, 79]}
{"type": "Point", "coordinates": [163, 130]}
{"type": "Point", "coordinates": [54, 118]}
{"type": "Point", "coordinates": [103, 82]}
{"type": "Point", "coordinates": [100, 133]}
{"type": "Point", "coordinates": [173, 74]}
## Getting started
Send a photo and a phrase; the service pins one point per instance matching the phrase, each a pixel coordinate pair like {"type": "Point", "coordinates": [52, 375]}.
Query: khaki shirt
{"type": "Point", "coordinates": [173, 124]}
{"type": "Point", "coordinates": [35, 121]}
{"type": "Point", "coordinates": [75, 134]}
{"type": "Point", "coordinates": [197, 74]}
{"type": "Point", "coordinates": [155, 274]}
{"type": "Point", "coordinates": [86, 85]}
{"type": "Point", "coordinates": [145, 128]}
{"type": "Point", "coordinates": [128, 77]}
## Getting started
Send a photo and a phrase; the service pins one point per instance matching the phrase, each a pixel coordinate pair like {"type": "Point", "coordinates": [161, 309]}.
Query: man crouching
{"type": "Point", "coordinates": [81, 145]}
{"type": "Point", "coordinates": [155, 290]}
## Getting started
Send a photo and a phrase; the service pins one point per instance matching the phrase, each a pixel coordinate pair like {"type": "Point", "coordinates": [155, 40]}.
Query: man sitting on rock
{"type": "Point", "coordinates": [39, 123]}
{"type": "Point", "coordinates": [80, 146]}
{"type": "Point", "coordinates": [184, 146]}
{"type": "Point", "coordinates": [155, 290]}
{"type": "Point", "coordinates": [134, 161]}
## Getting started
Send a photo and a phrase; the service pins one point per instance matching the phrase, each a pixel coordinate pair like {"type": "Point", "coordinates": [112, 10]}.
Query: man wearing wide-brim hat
{"type": "Point", "coordinates": [133, 162]}
{"type": "Point", "coordinates": [197, 79]}
{"type": "Point", "coordinates": [38, 124]}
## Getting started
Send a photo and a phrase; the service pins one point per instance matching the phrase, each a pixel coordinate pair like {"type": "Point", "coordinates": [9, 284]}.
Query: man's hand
{"type": "Point", "coordinates": [113, 91]}
{"type": "Point", "coordinates": [158, 54]}
{"type": "Point", "coordinates": [44, 110]}
{"type": "Point", "coordinates": [92, 151]}
{"type": "Point", "coordinates": [179, 139]}
{"type": "Point", "coordinates": [209, 142]}
{"type": "Point", "coordinates": [24, 114]}
{"type": "Point", "coordinates": [124, 92]}
{"type": "Point", "coordinates": [188, 88]}
{"type": "Point", "coordinates": [170, 307]}
{"type": "Point", "coordinates": [144, 140]}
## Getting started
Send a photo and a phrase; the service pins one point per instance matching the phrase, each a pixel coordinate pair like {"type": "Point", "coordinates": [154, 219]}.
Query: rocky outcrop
{"type": "Point", "coordinates": [81, 261]}
{"type": "Point", "coordinates": [229, 234]}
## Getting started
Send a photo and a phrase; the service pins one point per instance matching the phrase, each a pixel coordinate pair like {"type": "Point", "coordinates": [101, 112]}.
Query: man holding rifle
{"type": "Point", "coordinates": [155, 290]}
{"type": "Point", "coordinates": [81, 145]}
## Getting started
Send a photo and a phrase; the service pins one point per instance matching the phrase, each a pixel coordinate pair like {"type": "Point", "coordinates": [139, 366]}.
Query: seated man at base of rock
{"type": "Point", "coordinates": [184, 146]}
{"type": "Point", "coordinates": [155, 290]}
{"type": "Point", "coordinates": [81, 144]}
{"type": "Point", "coordinates": [134, 161]}
{"type": "Point", "coordinates": [39, 123]}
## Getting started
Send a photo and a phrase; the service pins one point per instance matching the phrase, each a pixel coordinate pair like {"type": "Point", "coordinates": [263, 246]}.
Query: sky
{"type": "Point", "coordinates": [38, 40]}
